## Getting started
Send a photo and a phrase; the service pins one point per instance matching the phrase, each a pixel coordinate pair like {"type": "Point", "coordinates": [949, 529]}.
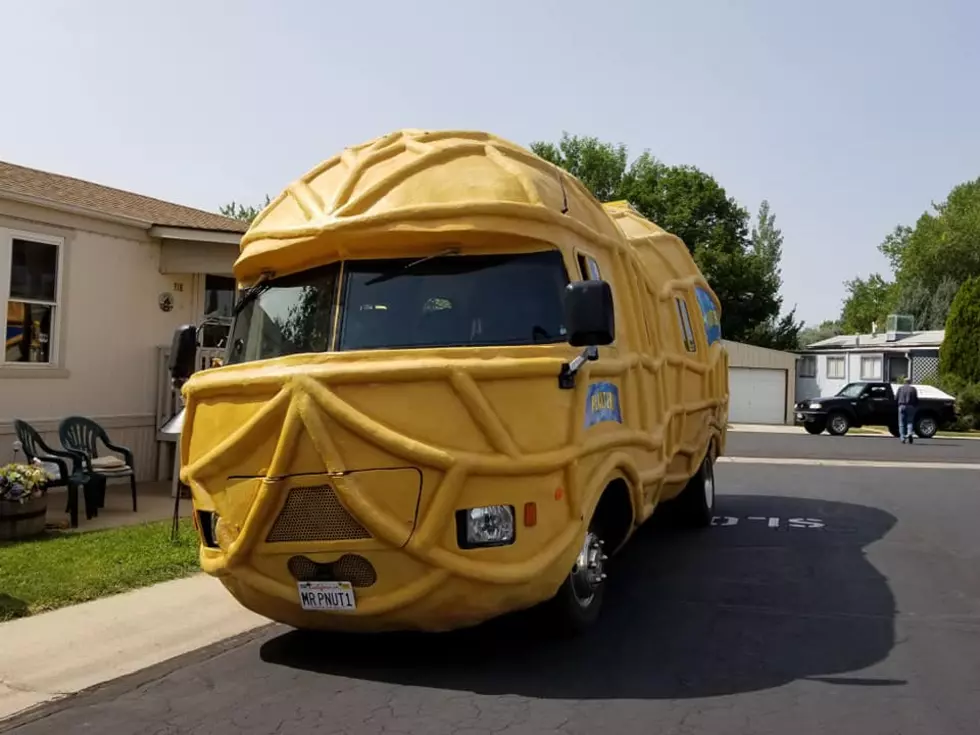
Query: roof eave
{"type": "Point", "coordinates": [118, 219]}
{"type": "Point", "coordinates": [168, 232]}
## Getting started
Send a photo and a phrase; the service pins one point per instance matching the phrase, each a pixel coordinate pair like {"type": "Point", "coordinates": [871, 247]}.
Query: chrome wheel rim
{"type": "Point", "coordinates": [839, 423]}
{"type": "Point", "coordinates": [927, 427]}
{"type": "Point", "coordinates": [588, 573]}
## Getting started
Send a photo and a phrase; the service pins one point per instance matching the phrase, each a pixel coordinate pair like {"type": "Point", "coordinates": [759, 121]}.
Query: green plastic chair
{"type": "Point", "coordinates": [80, 434]}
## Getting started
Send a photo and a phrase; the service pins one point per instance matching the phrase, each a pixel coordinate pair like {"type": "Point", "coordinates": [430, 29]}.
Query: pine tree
{"type": "Point", "coordinates": [960, 353]}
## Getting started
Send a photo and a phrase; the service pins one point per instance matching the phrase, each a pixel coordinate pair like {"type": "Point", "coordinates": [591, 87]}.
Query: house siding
{"type": "Point", "coordinates": [111, 327]}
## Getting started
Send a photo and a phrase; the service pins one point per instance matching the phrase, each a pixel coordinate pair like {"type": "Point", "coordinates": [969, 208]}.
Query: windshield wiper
{"type": "Point", "coordinates": [399, 271]}
{"type": "Point", "coordinates": [252, 292]}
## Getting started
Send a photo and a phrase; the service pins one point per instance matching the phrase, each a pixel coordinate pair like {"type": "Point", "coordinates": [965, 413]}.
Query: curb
{"type": "Point", "coordinates": [51, 656]}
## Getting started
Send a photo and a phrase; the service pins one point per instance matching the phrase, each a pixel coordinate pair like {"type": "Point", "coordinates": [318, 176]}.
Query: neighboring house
{"type": "Point", "coordinates": [93, 282]}
{"type": "Point", "coordinates": [827, 366]}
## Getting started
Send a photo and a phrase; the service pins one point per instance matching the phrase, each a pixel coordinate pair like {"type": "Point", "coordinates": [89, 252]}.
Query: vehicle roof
{"type": "Point", "coordinates": [389, 196]}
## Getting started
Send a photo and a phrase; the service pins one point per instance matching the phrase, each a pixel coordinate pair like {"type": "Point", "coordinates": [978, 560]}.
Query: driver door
{"type": "Point", "coordinates": [878, 402]}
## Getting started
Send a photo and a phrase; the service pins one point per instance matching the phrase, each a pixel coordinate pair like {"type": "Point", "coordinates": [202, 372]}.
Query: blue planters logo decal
{"type": "Point", "coordinates": [709, 313]}
{"type": "Point", "coordinates": [602, 404]}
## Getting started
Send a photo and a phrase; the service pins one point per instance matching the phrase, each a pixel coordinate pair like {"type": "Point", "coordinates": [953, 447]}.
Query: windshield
{"type": "Point", "coordinates": [852, 390]}
{"type": "Point", "coordinates": [444, 301]}
{"type": "Point", "coordinates": [287, 316]}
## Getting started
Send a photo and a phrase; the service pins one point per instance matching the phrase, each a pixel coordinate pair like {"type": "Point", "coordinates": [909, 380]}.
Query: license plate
{"type": "Point", "coordinates": [327, 596]}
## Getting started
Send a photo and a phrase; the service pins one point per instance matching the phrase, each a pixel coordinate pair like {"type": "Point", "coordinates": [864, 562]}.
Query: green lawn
{"type": "Point", "coordinates": [64, 569]}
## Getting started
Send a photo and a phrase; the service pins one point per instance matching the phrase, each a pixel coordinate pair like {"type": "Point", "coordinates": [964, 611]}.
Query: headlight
{"type": "Point", "coordinates": [815, 406]}
{"type": "Point", "coordinates": [491, 525]}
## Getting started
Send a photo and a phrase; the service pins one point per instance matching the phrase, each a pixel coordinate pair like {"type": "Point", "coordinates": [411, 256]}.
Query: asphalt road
{"type": "Point", "coordinates": [854, 447]}
{"type": "Point", "coordinates": [825, 600]}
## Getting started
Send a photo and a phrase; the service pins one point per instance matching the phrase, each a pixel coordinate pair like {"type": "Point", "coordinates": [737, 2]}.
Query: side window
{"type": "Point", "coordinates": [687, 333]}
{"type": "Point", "coordinates": [588, 268]}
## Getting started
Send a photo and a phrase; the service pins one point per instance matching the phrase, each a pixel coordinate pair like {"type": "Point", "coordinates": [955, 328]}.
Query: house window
{"type": "Point", "coordinates": [808, 366]}
{"type": "Point", "coordinates": [687, 333]}
{"type": "Point", "coordinates": [835, 368]}
{"type": "Point", "coordinates": [870, 368]}
{"type": "Point", "coordinates": [30, 286]}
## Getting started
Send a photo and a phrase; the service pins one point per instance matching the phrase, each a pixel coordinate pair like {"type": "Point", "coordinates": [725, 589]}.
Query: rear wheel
{"type": "Point", "coordinates": [926, 426]}
{"type": "Point", "coordinates": [838, 424]}
{"type": "Point", "coordinates": [815, 428]}
{"type": "Point", "coordinates": [696, 503]}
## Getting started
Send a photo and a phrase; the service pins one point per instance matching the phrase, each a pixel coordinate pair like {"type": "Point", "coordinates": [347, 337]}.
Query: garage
{"type": "Point", "coordinates": [756, 395]}
{"type": "Point", "coordinates": [761, 384]}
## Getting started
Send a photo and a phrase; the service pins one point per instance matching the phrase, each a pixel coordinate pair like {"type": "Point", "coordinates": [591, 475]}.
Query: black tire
{"type": "Point", "coordinates": [838, 423]}
{"type": "Point", "coordinates": [696, 503]}
{"type": "Point", "coordinates": [571, 611]}
{"type": "Point", "coordinates": [893, 430]}
{"type": "Point", "coordinates": [926, 426]}
{"type": "Point", "coordinates": [815, 428]}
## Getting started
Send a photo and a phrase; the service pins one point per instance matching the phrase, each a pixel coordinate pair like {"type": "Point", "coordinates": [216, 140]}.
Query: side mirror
{"type": "Point", "coordinates": [183, 353]}
{"type": "Point", "coordinates": [589, 314]}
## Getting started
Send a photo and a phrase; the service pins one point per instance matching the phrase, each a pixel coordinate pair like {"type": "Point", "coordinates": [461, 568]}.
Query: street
{"type": "Point", "coordinates": [823, 600]}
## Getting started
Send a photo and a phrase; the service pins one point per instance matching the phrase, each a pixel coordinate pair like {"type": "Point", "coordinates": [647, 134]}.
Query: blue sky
{"type": "Point", "coordinates": [850, 117]}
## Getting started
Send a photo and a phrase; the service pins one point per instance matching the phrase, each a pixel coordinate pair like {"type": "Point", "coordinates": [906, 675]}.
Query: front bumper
{"type": "Point", "coordinates": [809, 416]}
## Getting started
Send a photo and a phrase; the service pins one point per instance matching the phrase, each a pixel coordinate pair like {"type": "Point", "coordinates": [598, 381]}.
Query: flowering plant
{"type": "Point", "coordinates": [20, 483]}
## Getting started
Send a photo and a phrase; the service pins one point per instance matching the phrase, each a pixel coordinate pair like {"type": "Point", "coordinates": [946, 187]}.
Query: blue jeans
{"type": "Point", "coordinates": [906, 417]}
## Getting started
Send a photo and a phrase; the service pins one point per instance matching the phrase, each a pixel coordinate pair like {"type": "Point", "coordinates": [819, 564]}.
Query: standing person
{"type": "Point", "coordinates": [907, 398]}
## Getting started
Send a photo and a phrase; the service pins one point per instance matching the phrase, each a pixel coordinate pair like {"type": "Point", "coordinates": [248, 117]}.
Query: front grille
{"type": "Point", "coordinates": [315, 514]}
{"type": "Point", "coordinates": [349, 568]}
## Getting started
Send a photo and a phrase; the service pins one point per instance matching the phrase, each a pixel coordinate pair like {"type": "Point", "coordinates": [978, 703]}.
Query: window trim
{"type": "Point", "coordinates": [843, 363]}
{"type": "Point", "coordinates": [866, 376]}
{"type": "Point", "coordinates": [55, 365]}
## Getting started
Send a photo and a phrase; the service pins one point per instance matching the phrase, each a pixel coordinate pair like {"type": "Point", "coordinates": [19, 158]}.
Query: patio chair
{"type": "Point", "coordinates": [35, 448]}
{"type": "Point", "coordinates": [79, 434]}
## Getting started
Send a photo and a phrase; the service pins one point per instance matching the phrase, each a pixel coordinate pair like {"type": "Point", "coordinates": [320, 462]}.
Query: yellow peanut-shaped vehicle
{"type": "Point", "coordinates": [455, 383]}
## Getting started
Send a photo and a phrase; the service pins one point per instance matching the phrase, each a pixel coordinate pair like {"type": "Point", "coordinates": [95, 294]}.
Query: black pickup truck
{"type": "Point", "coordinates": [873, 404]}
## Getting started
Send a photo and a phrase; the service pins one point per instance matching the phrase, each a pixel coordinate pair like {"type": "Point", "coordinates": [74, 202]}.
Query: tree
{"type": "Point", "coordinates": [959, 355]}
{"type": "Point", "coordinates": [694, 206]}
{"type": "Point", "coordinates": [868, 302]}
{"type": "Point", "coordinates": [825, 330]}
{"type": "Point", "coordinates": [240, 211]}
{"type": "Point", "coordinates": [767, 248]}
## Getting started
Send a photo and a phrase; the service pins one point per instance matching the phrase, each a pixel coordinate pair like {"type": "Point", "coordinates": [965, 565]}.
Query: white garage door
{"type": "Point", "coordinates": [756, 396]}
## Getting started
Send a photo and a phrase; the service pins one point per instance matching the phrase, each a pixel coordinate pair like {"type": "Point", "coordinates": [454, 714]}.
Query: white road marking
{"type": "Point", "coordinates": [770, 522]}
{"type": "Point", "coordinates": [881, 464]}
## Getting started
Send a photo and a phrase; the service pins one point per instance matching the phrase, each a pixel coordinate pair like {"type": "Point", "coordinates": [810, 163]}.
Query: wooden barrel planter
{"type": "Point", "coordinates": [22, 520]}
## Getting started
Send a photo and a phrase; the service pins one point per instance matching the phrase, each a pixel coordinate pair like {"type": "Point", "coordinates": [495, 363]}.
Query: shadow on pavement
{"type": "Point", "coordinates": [731, 609]}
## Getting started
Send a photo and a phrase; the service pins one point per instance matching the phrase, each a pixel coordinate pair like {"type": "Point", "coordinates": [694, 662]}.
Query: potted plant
{"type": "Point", "coordinates": [23, 500]}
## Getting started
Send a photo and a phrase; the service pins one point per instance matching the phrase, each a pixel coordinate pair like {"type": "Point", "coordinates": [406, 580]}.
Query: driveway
{"type": "Point", "coordinates": [824, 600]}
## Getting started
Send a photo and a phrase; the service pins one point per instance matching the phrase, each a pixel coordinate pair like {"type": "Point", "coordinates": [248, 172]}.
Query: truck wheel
{"type": "Point", "coordinates": [815, 428]}
{"type": "Point", "coordinates": [893, 430]}
{"type": "Point", "coordinates": [838, 424]}
{"type": "Point", "coordinates": [577, 604]}
{"type": "Point", "coordinates": [926, 426]}
{"type": "Point", "coordinates": [696, 503]}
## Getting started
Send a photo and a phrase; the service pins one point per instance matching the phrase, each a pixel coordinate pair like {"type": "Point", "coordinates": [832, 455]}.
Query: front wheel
{"type": "Point", "coordinates": [815, 428]}
{"type": "Point", "coordinates": [576, 606]}
{"type": "Point", "coordinates": [926, 426]}
{"type": "Point", "coordinates": [893, 430]}
{"type": "Point", "coordinates": [838, 424]}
